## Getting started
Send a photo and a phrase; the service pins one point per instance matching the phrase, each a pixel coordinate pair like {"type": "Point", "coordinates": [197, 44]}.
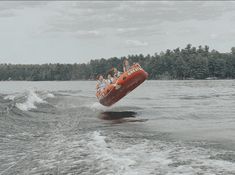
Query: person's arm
{"type": "Point", "coordinates": [97, 86]}
{"type": "Point", "coordinates": [106, 82]}
{"type": "Point", "coordinates": [124, 68]}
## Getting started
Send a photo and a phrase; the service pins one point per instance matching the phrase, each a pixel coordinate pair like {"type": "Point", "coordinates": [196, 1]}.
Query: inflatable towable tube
{"type": "Point", "coordinates": [128, 81]}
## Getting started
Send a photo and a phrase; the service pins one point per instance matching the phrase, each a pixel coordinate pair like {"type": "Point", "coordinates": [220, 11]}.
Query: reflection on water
{"type": "Point", "coordinates": [120, 117]}
{"type": "Point", "coordinates": [111, 115]}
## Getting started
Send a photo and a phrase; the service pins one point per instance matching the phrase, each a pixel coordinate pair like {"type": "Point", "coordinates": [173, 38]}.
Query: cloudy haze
{"type": "Point", "coordinates": [69, 32]}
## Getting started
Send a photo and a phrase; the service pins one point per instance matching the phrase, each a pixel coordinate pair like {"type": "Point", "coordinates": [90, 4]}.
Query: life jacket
{"type": "Point", "coordinates": [101, 85]}
{"type": "Point", "coordinates": [117, 74]}
{"type": "Point", "coordinates": [110, 81]}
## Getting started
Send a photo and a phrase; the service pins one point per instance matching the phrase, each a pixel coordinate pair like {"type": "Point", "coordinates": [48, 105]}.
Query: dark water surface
{"type": "Point", "coordinates": [163, 127]}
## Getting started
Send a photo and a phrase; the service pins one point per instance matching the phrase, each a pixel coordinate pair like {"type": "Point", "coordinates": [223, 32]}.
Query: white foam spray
{"type": "Point", "coordinates": [31, 101]}
{"type": "Point", "coordinates": [98, 107]}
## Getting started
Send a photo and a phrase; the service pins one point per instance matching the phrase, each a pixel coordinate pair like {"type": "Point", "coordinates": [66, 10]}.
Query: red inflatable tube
{"type": "Point", "coordinates": [128, 81]}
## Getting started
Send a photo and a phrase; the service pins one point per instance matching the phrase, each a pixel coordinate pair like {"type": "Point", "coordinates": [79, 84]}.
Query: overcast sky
{"type": "Point", "coordinates": [69, 32]}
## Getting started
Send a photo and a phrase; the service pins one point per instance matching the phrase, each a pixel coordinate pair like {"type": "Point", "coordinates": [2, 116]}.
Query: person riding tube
{"type": "Point", "coordinates": [126, 65]}
{"type": "Point", "coordinates": [101, 83]}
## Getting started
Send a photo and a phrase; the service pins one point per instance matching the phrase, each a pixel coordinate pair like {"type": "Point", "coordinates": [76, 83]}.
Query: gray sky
{"type": "Point", "coordinates": [69, 32]}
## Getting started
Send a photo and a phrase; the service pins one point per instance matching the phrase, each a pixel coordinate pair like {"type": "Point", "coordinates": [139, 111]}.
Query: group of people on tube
{"type": "Point", "coordinates": [102, 83]}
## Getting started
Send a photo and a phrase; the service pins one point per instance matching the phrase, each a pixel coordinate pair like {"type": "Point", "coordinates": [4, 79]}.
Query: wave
{"type": "Point", "coordinates": [29, 99]}
{"type": "Point", "coordinates": [154, 157]}
{"type": "Point", "coordinates": [109, 157]}
{"type": "Point", "coordinates": [9, 97]}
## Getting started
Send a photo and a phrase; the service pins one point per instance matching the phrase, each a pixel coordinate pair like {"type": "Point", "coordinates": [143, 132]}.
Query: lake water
{"type": "Point", "coordinates": [162, 127]}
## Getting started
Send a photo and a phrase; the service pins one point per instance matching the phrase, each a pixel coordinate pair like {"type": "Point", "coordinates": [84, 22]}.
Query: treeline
{"type": "Point", "coordinates": [187, 63]}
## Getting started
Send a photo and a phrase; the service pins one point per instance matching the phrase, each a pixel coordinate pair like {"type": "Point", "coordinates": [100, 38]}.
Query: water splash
{"type": "Point", "coordinates": [31, 100]}
{"type": "Point", "coordinates": [98, 107]}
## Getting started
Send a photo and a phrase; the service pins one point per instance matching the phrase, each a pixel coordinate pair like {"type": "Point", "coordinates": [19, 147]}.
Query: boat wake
{"type": "Point", "coordinates": [145, 156]}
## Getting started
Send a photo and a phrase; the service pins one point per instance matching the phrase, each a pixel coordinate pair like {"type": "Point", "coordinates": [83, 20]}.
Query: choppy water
{"type": "Point", "coordinates": [163, 127]}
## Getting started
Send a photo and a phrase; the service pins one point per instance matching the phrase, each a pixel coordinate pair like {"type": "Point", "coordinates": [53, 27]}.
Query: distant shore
{"type": "Point", "coordinates": [177, 64]}
{"type": "Point", "coordinates": [145, 80]}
